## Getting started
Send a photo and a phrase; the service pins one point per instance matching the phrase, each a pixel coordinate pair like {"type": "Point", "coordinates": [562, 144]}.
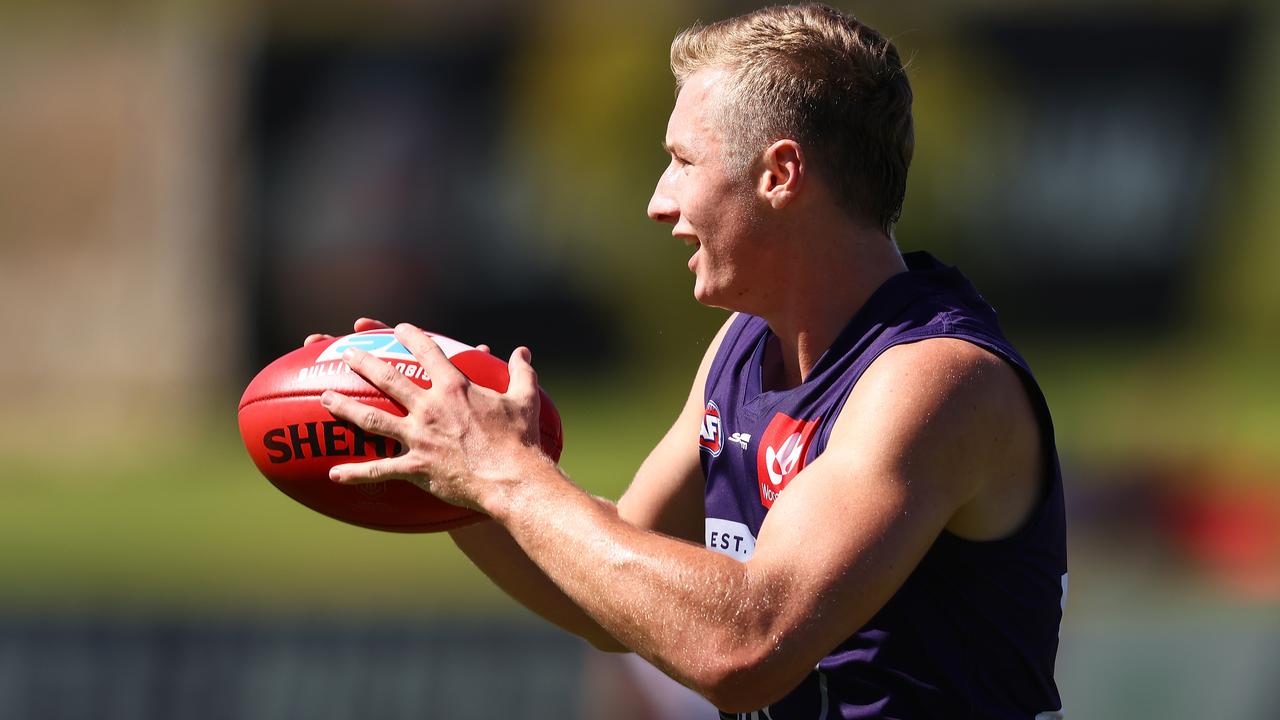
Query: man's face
{"type": "Point", "coordinates": [709, 210]}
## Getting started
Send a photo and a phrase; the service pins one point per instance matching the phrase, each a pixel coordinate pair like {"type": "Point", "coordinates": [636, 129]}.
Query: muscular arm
{"type": "Point", "coordinates": [665, 496]}
{"type": "Point", "coordinates": [920, 439]}
{"type": "Point", "coordinates": [928, 436]}
{"type": "Point", "coordinates": [491, 549]}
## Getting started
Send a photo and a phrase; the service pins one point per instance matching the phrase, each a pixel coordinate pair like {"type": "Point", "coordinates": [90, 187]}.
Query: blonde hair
{"type": "Point", "coordinates": [815, 75]}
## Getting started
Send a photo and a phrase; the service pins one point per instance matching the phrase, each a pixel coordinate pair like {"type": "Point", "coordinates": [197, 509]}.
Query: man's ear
{"type": "Point", "coordinates": [782, 171]}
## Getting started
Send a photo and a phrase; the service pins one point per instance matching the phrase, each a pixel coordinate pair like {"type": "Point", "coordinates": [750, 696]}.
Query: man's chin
{"type": "Point", "coordinates": [702, 294]}
{"type": "Point", "coordinates": [709, 297]}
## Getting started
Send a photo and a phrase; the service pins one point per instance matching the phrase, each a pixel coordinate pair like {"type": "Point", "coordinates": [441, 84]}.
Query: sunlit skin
{"type": "Point", "coordinates": [936, 434]}
{"type": "Point", "coordinates": [767, 241]}
{"type": "Point", "coordinates": [711, 210]}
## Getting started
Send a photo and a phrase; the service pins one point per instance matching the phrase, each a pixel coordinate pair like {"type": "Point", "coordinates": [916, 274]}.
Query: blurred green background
{"type": "Point", "coordinates": [187, 189]}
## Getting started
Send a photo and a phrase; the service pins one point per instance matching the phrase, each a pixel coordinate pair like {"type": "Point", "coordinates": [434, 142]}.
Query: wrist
{"type": "Point", "coordinates": [528, 473]}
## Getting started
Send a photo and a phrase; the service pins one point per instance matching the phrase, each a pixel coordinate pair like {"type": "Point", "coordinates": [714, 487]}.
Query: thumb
{"type": "Point", "coordinates": [524, 379]}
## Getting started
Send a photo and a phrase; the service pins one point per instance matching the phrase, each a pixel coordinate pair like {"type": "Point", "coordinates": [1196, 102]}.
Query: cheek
{"type": "Point", "coordinates": [706, 207]}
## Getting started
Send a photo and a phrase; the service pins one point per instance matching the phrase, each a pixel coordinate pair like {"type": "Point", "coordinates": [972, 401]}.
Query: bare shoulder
{"type": "Point", "coordinates": [953, 416]}
{"type": "Point", "coordinates": [932, 382]}
{"type": "Point", "coordinates": [945, 366]}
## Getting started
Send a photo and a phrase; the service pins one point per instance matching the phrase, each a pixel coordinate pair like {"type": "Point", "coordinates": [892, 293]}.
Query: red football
{"type": "Point", "coordinates": [294, 441]}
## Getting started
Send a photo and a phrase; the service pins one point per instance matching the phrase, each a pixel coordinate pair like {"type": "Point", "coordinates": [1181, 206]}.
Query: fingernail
{"type": "Point", "coordinates": [326, 398]}
{"type": "Point", "coordinates": [349, 354]}
{"type": "Point", "coordinates": [334, 475]}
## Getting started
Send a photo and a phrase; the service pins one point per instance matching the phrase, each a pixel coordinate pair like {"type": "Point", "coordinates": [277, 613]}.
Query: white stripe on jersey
{"type": "Point", "coordinates": [822, 688]}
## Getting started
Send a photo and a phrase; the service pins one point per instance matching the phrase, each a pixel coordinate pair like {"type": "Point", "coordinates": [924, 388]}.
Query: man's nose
{"type": "Point", "coordinates": [662, 207]}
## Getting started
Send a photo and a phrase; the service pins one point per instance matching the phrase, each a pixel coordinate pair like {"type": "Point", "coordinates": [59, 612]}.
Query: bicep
{"type": "Point", "coordinates": [666, 493]}
{"type": "Point", "coordinates": [840, 541]}
{"type": "Point", "coordinates": [910, 448]}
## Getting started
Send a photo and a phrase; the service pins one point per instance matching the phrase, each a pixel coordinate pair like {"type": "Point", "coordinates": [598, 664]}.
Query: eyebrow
{"type": "Point", "coordinates": [675, 149]}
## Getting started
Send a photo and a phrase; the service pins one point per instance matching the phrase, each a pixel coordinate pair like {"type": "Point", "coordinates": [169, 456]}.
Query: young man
{"type": "Point", "coordinates": [858, 513]}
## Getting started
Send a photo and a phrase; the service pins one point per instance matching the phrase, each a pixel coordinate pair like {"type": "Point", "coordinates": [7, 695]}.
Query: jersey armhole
{"type": "Point", "coordinates": [1050, 472]}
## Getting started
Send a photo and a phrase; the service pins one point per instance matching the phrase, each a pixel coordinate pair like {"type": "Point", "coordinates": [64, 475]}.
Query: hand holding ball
{"type": "Point", "coordinates": [294, 440]}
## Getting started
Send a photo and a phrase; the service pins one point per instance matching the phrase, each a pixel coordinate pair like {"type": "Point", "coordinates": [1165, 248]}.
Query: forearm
{"type": "Point", "coordinates": [491, 548]}
{"type": "Point", "coordinates": [685, 609]}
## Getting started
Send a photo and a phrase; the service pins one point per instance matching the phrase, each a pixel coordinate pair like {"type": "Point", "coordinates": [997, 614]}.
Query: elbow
{"type": "Point", "coordinates": [747, 680]}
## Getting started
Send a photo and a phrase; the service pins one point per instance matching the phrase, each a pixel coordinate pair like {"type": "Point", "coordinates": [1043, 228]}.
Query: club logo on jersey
{"type": "Point", "coordinates": [711, 438]}
{"type": "Point", "coordinates": [781, 455]}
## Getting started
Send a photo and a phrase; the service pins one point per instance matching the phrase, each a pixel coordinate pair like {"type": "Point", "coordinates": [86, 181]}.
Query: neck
{"type": "Point", "coordinates": [820, 295]}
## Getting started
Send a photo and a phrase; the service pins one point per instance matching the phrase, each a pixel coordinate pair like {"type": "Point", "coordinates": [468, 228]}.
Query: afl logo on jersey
{"type": "Point", "coordinates": [711, 438]}
{"type": "Point", "coordinates": [781, 454]}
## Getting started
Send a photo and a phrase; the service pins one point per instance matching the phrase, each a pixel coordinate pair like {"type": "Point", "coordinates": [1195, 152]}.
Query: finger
{"type": "Point", "coordinates": [484, 349]}
{"type": "Point", "coordinates": [315, 338]}
{"type": "Point", "coordinates": [371, 471]}
{"type": "Point", "coordinates": [524, 379]}
{"type": "Point", "coordinates": [383, 376]}
{"type": "Point", "coordinates": [366, 417]}
{"type": "Point", "coordinates": [365, 323]}
{"type": "Point", "coordinates": [438, 366]}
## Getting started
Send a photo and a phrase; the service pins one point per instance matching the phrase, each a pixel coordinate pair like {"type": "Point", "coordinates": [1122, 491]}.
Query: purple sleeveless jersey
{"type": "Point", "coordinates": [973, 631]}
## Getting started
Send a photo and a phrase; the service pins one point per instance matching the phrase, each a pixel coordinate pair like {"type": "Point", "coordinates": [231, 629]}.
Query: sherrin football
{"type": "Point", "coordinates": [294, 441]}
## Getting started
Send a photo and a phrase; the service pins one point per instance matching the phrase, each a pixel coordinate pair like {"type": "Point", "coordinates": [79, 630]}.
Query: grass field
{"type": "Point", "coordinates": [196, 527]}
{"type": "Point", "coordinates": [1194, 400]}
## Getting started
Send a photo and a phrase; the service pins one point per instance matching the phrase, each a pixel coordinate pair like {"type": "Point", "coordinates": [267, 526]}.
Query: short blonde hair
{"type": "Point", "coordinates": [818, 76]}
